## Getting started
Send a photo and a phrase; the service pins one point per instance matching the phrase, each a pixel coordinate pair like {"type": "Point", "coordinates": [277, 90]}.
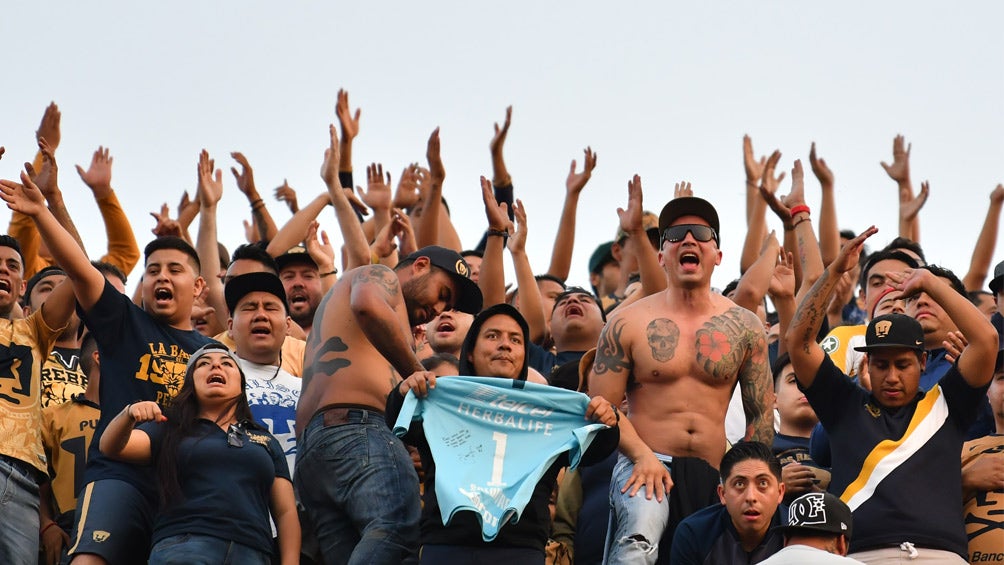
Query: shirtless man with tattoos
{"type": "Point", "coordinates": [677, 355]}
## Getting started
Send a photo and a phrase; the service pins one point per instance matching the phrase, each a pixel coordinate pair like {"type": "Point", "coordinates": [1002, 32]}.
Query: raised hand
{"type": "Point", "coordinates": [244, 178]}
{"type": "Point", "coordinates": [165, 225]}
{"type": "Point", "coordinates": [496, 212]}
{"type": "Point", "coordinates": [320, 250]}
{"type": "Point", "coordinates": [251, 232]}
{"type": "Point", "coordinates": [401, 224]}
{"type": "Point", "coordinates": [577, 181]}
{"type": "Point", "coordinates": [47, 177]}
{"type": "Point", "coordinates": [909, 210]}
{"type": "Point", "coordinates": [517, 242]}
{"type": "Point", "coordinates": [498, 140]}
{"type": "Point", "coordinates": [188, 209]}
{"type": "Point", "coordinates": [407, 194]}
{"type": "Point", "coordinates": [98, 177]}
{"type": "Point", "coordinates": [682, 189]}
{"type": "Point", "coordinates": [797, 195]}
{"type": "Point", "coordinates": [819, 168]}
{"type": "Point", "coordinates": [782, 281]}
{"type": "Point", "coordinates": [25, 198]}
{"type": "Point", "coordinates": [899, 170]}
{"type": "Point", "coordinates": [285, 193]}
{"type": "Point", "coordinates": [377, 195]}
{"type": "Point", "coordinates": [210, 183]}
{"type": "Point", "coordinates": [631, 219]}
{"type": "Point", "coordinates": [329, 167]}
{"type": "Point", "coordinates": [350, 124]}
{"type": "Point", "coordinates": [754, 167]}
{"type": "Point", "coordinates": [768, 189]}
{"type": "Point", "coordinates": [432, 154]}
{"type": "Point", "coordinates": [49, 126]}
{"type": "Point", "coordinates": [847, 259]}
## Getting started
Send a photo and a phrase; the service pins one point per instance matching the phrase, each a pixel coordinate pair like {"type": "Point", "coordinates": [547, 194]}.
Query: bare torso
{"type": "Point", "coordinates": [341, 365]}
{"type": "Point", "coordinates": [681, 367]}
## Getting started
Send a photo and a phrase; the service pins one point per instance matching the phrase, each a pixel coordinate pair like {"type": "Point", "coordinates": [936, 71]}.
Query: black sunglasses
{"type": "Point", "coordinates": [701, 233]}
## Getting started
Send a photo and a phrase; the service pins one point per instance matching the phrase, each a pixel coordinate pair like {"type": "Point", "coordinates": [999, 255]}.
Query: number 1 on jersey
{"type": "Point", "coordinates": [500, 440]}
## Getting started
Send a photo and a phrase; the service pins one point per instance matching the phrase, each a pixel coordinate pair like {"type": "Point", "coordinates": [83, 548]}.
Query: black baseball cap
{"type": "Point", "coordinates": [689, 206]}
{"type": "Point", "coordinates": [296, 254]}
{"type": "Point", "coordinates": [893, 330]}
{"type": "Point", "coordinates": [818, 512]}
{"type": "Point", "coordinates": [468, 297]}
{"type": "Point", "coordinates": [242, 285]}
{"type": "Point", "coordinates": [995, 283]}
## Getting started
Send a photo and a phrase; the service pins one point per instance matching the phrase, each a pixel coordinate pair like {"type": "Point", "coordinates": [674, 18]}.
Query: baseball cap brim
{"type": "Point", "coordinates": [295, 255]}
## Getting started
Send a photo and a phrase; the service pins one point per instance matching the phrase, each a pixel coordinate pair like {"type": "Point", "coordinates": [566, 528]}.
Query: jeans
{"type": "Point", "coordinates": [360, 490]}
{"type": "Point", "coordinates": [636, 523]}
{"type": "Point", "coordinates": [19, 508]}
{"type": "Point", "coordinates": [190, 549]}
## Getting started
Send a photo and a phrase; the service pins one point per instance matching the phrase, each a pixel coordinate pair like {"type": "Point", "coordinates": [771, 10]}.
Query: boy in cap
{"type": "Point", "coordinates": [894, 448]}
{"type": "Point", "coordinates": [356, 354]}
{"type": "Point", "coordinates": [818, 532]}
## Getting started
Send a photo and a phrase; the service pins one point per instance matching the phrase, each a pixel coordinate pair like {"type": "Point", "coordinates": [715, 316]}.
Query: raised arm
{"type": "Point", "coordinates": [427, 231]}
{"type": "Point", "coordinates": [983, 252]}
{"type": "Point", "coordinates": [564, 237]}
{"type": "Point", "coordinates": [755, 282]}
{"type": "Point", "coordinates": [47, 181]}
{"type": "Point", "coordinates": [377, 196]}
{"type": "Point", "coordinates": [245, 183]}
{"type": "Point", "coordinates": [976, 363]}
{"type": "Point", "coordinates": [899, 171]}
{"type": "Point", "coordinates": [829, 231]}
{"type": "Point", "coordinates": [653, 278]}
{"type": "Point", "coordinates": [756, 208]}
{"type": "Point", "coordinates": [374, 298]}
{"type": "Point", "coordinates": [287, 194]}
{"type": "Point", "coordinates": [768, 188]}
{"type": "Point", "coordinates": [356, 251]}
{"type": "Point", "coordinates": [806, 354]}
{"type": "Point", "coordinates": [530, 303]}
{"type": "Point", "coordinates": [782, 294]}
{"type": "Point", "coordinates": [210, 193]}
{"type": "Point", "coordinates": [350, 129]}
{"type": "Point", "coordinates": [88, 282]}
{"type": "Point", "coordinates": [319, 248]}
{"type": "Point", "coordinates": [492, 277]}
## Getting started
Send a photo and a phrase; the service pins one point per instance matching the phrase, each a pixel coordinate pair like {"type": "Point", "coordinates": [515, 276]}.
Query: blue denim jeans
{"type": "Point", "coordinates": [360, 490]}
{"type": "Point", "coordinates": [191, 549]}
{"type": "Point", "coordinates": [636, 523]}
{"type": "Point", "coordinates": [19, 509]}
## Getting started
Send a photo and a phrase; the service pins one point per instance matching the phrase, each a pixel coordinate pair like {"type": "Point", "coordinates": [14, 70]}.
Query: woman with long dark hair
{"type": "Point", "coordinates": [219, 471]}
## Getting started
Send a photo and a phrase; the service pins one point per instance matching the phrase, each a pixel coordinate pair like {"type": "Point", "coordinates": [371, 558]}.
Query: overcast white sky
{"type": "Point", "coordinates": [665, 90]}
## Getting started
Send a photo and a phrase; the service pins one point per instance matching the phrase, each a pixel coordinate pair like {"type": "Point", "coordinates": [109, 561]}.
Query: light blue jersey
{"type": "Point", "coordinates": [492, 439]}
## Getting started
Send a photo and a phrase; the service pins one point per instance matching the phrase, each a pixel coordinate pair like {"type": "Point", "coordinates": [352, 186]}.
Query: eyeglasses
{"type": "Point", "coordinates": [700, 232]}
{"type": "Point", "coordinates": [235, 436]}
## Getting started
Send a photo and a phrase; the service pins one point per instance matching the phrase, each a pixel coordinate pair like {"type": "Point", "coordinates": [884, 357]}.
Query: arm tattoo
{"type": "Point", "coordinates": [722, 343]}
{"type": "Point", "coordinates": [381, 275]}
{"type": "Point", "coordinates": [610, 353]}
{"type": "Point", "coordinates": [809, 315]}
{"type": "Point", "coordinates": [663, 336]}
{"type": "Point", "coordinates": [757, 393]}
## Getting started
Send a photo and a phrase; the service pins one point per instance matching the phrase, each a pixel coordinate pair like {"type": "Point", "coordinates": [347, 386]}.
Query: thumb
{"type": "Point", "coordinates": [161, 418]}
{"type": "Point", "coordinates": [80, 171]}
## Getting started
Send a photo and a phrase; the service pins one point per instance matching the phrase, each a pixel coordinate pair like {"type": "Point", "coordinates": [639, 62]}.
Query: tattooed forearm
{"type": "Point", "coordinates": [610, 353]}
{"type": "Point", "coordinates": [663, 336]}
{"type": "Point", "coordinates": [810, 311]}
{"type": "Point", "coordinates": [380, 275]}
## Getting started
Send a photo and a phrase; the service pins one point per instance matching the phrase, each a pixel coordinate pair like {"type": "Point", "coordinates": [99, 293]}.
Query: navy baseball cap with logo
{"type": "Point", "coordinates": [468, 297]}
{"type": "Point", "coordinates": [893, 330]}
{"type": "Point", "coordinates": [818, 512]}
{"type": "Point", "coordinates": [995, 283]}
{"type": "Point", "coordinates": [689, 206]}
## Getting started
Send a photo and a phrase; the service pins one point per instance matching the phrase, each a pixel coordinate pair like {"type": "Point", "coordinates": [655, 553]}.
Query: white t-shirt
{"type": "Point", "coordinates": [803, 555]}
{"type": "Point", "coordinates": [273, 394]}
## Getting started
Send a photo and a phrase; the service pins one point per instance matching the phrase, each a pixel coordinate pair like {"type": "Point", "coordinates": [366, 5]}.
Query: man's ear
{"type": "Point", "coordinates": [199, 286]}
{"type": "Point", "coordinates": [721, 493]}
{"type": "Point", "coordinates": [421, 265]}
{"type": "Point", "coordinates": [25, 311]}
{"type": "Point", "coordinates": [616, 251]}
{"type": "Point", "coordinates": [230, 327]}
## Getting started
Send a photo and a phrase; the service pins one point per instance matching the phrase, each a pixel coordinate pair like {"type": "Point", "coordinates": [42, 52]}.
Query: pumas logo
{"type": "Point", "coordinates": [100, 535]}
{"type": "Point", "coordinates": [461, 268]}
{"type": "Point", "coordinates": [882, 328]}
{"type": "Point", "coordinates": [830, 344]}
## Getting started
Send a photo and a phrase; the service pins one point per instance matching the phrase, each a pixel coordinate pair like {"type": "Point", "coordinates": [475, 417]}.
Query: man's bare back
{"type": "Point", "coordinates": [341, 365]}
{"type": "Point", "coordinates": [678, 367]}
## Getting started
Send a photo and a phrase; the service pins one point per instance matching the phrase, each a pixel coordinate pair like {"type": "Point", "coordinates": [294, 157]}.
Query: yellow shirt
{"type": "Point", "coordinates": [836, 344]}
{"type": "Point", "coordinates": [67, 431]}
{"type": "Point", "coordinates": [24, 345]}
{"type": "Point", "coordinates": [984, 512]}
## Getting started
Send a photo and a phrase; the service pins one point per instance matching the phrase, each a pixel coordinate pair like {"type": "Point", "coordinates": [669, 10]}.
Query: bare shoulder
{"type": "Point", "coordinates": [729, 339]}
{"type": "Point", "coordinates": [376, 275]}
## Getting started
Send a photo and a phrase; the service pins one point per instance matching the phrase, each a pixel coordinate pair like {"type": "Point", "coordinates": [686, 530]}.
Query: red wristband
{"type": "Point", "coordinates": [49, 525]}
{"type": "Point", "coordinates": [799, 209]}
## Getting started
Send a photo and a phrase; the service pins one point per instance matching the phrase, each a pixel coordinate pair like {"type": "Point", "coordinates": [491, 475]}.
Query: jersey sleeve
{"type": "Point", "coordinates": [110, 314]}
{"type": "Point", "coordinates": [830, 392]}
